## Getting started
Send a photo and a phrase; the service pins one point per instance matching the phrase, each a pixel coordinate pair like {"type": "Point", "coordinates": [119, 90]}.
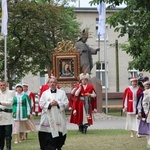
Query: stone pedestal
{"type": "Point", "coordinates": [98, 88]}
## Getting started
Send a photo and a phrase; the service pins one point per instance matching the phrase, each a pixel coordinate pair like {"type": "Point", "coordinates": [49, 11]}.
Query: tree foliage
{"type": "Point", "coordinates": [134, 20]}
{"type": "Point", "coordinates": [33, 31]}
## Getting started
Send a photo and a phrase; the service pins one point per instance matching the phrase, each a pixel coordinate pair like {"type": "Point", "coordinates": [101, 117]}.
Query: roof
{"type": "Point", "coordinates": [94, 10]}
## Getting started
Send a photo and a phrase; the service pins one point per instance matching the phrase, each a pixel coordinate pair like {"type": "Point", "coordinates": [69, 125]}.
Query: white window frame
{"type": "Point", "coordinates": [102, 73]}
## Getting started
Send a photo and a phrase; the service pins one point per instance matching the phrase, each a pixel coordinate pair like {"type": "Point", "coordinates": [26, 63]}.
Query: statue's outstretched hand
{"type": "Point", "coordinates": [98, 49]}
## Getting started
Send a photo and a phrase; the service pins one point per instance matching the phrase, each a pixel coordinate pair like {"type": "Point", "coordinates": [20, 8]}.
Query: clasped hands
{"type": "Point", "coordinates": [88, 94]}
{"type": "Point", "coordinates": [53, 103]}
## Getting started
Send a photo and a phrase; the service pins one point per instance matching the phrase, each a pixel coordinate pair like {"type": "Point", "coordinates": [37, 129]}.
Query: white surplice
{"type": "Point", "coordinates": [53, 120]}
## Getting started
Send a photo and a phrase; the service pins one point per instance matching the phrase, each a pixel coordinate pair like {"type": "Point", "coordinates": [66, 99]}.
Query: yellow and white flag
{"type": "Point", "coordinates": [4, 17]}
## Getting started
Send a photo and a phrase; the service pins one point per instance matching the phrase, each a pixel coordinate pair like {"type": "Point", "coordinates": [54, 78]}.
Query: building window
{"type": "Point", "coordinates": [100, 72]}
{"type": "Point", "coordinates": [43, 78]}
{"type": "Point", "coordinates": [132, 73]}
{"type": "Point", "coordinates": [97, 19]}
{"type": "Point", "coordinates": [101, 37]}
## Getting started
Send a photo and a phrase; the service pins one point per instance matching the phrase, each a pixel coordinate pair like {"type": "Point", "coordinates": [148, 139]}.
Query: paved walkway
{"type": "Point", "coordinates": [101, 121]}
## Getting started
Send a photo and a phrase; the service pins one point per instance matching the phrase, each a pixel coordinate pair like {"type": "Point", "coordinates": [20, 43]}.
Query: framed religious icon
{"type": "Point", "coordinates": [66, 66]}
{"type": "Point", "coordinates": [66, 62]}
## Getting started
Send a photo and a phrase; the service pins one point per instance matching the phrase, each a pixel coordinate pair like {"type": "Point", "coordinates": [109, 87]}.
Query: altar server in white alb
{"type": "Point", "coordinates": [52, 128]}
{"type": "Point", "coordinates": [130, 96]}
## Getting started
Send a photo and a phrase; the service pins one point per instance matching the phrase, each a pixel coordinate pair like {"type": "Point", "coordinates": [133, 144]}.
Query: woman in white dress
{"type": "Point", "coordinates": [130, 96]}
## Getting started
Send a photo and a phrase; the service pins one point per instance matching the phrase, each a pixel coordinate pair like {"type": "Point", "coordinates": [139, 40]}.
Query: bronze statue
{"type": "Point", "coordinates": [86, 52]}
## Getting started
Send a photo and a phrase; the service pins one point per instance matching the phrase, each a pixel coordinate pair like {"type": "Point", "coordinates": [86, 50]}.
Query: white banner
{"type": "Point", "coordinates": [101, 23]}
{"type": "Point", "coordinates": [4, 17]}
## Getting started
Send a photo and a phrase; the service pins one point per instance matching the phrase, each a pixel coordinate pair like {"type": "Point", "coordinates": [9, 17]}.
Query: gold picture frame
{"type": "Point", "coordinates": [66, 66]}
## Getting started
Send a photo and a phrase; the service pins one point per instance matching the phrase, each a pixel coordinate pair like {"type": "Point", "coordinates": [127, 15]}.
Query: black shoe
{"type": "Point", "coordinates": [84, 129]}
{"type": "Point", "coordinates": [81, 128]}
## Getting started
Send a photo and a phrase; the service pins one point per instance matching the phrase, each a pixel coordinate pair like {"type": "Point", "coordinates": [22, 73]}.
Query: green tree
{"type": "Point", "coordinates": [33, 32]}
{"type": "Point", "coordinates": [134, 20]}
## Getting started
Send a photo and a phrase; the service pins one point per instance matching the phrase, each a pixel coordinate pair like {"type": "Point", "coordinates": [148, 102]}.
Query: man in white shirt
{"type": "Point", "coordinates": [6, 98]}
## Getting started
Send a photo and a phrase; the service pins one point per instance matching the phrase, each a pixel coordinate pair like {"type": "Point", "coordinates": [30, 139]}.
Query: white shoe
{"type": "Point", "coordinates": [138, 136]}
{"type": "Point", "coordinates": [131, 136]}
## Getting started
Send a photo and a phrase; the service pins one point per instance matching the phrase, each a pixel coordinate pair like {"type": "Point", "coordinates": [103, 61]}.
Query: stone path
{"type": "Point", "coordinates": [101, 121]}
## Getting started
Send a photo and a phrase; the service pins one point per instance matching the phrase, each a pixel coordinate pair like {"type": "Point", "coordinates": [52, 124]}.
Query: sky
{"type": "Point", "coordinates": [82, 3]}
{"type": "Point", "coordinates": [85, 3]}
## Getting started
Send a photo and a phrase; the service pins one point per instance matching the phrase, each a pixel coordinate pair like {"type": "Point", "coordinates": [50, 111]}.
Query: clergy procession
{"type": "Point", "coordinates": [17, 111]}
{"type": "Point", "coordinates": [18, 107]}
{"type": "Point", "coordinates": [50, 78]}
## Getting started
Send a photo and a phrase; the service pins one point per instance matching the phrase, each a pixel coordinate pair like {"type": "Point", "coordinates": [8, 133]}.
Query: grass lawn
{"type": "Point", "coordinates": [93, 140]}
{"type": "Point", "coordinates": [115, 112]}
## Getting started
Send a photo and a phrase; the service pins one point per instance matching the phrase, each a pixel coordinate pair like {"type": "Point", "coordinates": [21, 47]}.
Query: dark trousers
{"type": "Point", "coordinates": [5, 134]}
{"type": "Point", "coordinates": [47, 142]}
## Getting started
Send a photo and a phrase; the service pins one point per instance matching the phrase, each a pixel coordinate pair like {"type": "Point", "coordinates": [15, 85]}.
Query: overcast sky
{"type": "Point", "coordinates": [82, 3]}
{"type": "Point", "coordinates": [85, 3]}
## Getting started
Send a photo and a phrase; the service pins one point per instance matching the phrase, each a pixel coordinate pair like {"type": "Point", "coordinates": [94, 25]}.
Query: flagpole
{"type": "Point", "coordinates": [102, 31]}
{"type": "Point", "coordinates": [105, 58]}
{"type": "Point", "coordinates": [99, 55]}
{"type": "Point", "coordinates": [5, 58]}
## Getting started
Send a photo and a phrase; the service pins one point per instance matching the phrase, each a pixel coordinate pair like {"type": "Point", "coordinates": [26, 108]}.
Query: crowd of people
{"type": "Point", "coordinates": [18, 107]}
{"type": "Point", "coordinates": [53, 102]}
{"type": "Point", "coordinates": [136, 104]}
